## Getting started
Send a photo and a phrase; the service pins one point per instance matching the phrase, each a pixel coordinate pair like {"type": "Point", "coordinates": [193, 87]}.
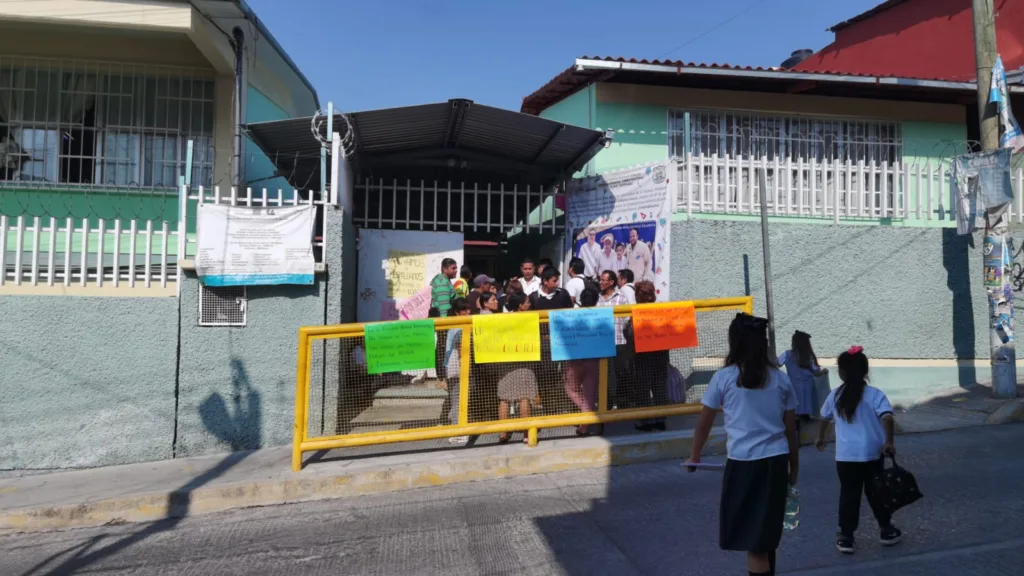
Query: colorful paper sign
{"type": "Point", "coordinates": [509, 337]}
{"type": "Point", "coordinates": [582, 333]}
{"type": "Point", "coordinates": [417, 306]}
{"type": "Point", "coordinates": [664, 326]}
{"type": "Point", "coordinates": [399, 346]}
{"type": "Point", "coordinates": [407, 273]}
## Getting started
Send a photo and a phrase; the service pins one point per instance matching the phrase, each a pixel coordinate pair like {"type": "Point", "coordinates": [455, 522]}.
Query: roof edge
{"type": "Point", "coordinates": [590, 70]}
{"type": "Point", "coordinates": [867, 14]}
{"type": "Point", "coordinates": [251, 16]}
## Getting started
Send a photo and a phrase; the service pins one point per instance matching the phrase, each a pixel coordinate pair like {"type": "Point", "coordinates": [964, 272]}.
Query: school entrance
{"type": "Point", "coordinates": [419, 184]}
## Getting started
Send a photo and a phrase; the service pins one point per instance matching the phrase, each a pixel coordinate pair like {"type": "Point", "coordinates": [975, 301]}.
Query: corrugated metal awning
{"type": "Point", "coordinates": [490, 143]}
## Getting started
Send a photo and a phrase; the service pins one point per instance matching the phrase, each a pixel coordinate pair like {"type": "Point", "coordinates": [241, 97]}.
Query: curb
{"type": "Point", "coordinates": [1012, 411]}
{"type": "Point", "coordinates": [312, 485]}
{"type": "Point", "coordinates": [319, 482]}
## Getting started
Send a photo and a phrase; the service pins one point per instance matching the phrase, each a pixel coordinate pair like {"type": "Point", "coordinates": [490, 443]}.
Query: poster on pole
{"type": "Point", "coordinates": [249, 246]}
{"type": "Point", "coordinates": [621, 220]}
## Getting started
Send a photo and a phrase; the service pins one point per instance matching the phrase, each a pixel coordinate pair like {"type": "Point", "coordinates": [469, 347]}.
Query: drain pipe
{"type": "Point", "coordinates": [241, 86]}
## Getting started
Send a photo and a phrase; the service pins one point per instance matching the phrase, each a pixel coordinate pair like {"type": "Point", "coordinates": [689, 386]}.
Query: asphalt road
{"type": "Point", "coordinates": [645, 519]}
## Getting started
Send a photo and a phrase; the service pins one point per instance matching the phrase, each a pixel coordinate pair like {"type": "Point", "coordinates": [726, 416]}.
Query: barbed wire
{"type": "Point", "coordinates": [320, 133]}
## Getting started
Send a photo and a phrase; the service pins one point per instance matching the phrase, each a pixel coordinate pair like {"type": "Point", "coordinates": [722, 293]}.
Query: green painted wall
{"type": "Point", "coordinates": [258, 167]}
{"type": "Point", "coordinates": [573, 110]}
{"type": "Point", "coordinates": [94, 204]}
{"type": "Point", "coordinates": [929, 145]}
{"type": "Point", "coordinates": [641, 135]}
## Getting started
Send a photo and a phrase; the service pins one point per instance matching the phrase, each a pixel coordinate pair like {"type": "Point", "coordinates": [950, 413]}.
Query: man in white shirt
{"type": "Point", "coordinates": [529, 281]}
{"type": "Point", "coordinates": [626, 286]}
{"type": "Point", "coordinates": [639, 256]}
{"type": "Point", "coordinates": [575, 285]}
{"type": "Point", "coordinates": [589, 254]}
{"type": "Point", "coordinates": [606, 258]}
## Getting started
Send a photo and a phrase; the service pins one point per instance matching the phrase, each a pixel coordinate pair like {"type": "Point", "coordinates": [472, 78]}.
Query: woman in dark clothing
{"type": "Point", "coordinates": [650, 369]}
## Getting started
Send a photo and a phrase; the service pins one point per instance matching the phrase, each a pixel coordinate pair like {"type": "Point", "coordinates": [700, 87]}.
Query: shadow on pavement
{"type": "Point", "coordinates": [240, 429]}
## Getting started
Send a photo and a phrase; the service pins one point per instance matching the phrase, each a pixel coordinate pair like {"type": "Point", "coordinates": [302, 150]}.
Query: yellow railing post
{"type": "Point", "coordinates": [301, 403]}
{"type": "Point", "coordinates": [465, 352]}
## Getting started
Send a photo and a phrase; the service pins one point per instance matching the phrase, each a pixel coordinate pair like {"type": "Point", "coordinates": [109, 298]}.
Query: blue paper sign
{"type": "Point", "coordinates": [582, 333]}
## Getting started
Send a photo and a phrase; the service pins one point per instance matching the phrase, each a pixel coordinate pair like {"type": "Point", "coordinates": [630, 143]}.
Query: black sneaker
{"type": "Point", "coordinates": [845, 544]}
{"type": "Point", "coordinates": [890, 535]}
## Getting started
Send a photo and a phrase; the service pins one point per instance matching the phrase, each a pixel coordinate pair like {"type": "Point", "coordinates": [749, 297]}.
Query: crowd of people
{"type": "Point", "coordinates": [637, 379]}
{"type": "Point", "coordinates": [764, 406]}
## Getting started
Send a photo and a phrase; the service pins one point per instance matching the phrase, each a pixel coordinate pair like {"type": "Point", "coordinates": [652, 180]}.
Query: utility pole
{"type": "Point", "coordinates": [766, 252]}
{"type": "Point", "coordinates": [997, 257]}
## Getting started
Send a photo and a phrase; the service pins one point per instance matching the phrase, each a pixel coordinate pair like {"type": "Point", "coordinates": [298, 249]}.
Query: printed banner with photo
{"type": "Point", "coordinates": [621, 220]}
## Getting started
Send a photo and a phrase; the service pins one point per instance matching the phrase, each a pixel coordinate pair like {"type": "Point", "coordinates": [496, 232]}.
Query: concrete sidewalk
{"type": "Point", "coordinates": [189, 486]}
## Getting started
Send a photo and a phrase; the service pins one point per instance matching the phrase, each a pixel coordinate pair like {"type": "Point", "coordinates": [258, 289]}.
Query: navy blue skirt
{"type": "Point", "coordinates": [753, 504]}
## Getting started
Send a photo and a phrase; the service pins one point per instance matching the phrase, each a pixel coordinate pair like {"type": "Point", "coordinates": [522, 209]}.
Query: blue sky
{"type": "Point", "coordinates": [364, 55]}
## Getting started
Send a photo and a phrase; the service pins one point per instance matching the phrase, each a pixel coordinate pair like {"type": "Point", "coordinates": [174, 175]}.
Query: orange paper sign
{"type": "Point", "coordinates": [664, 326]}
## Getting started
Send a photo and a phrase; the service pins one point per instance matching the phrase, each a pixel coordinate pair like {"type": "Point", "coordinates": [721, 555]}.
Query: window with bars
{"type": "Point", "coordinates": [738, 135]}
{"type": "Point", "coordinates": [75, 123]}
{"type": "Point", "coordinates": [805, 160]}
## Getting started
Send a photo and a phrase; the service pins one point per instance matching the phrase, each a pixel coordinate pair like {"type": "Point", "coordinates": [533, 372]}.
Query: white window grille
{"type": "Point", "coordinates": [223, 306]}
{"type": "Point", "coordinates": [730, 134]}
{"type": "Point", "coordinates": [803, 158]}
{"type": "Point", "coordinates": [99, 124]}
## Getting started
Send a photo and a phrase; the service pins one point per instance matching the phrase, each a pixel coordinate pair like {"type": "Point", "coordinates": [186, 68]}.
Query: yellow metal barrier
{"type": "Point", "coordinates": [361, 399]}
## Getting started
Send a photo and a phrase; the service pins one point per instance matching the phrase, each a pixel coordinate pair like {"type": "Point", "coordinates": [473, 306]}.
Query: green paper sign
{"type": "Point", "coordinates": [400, 345]}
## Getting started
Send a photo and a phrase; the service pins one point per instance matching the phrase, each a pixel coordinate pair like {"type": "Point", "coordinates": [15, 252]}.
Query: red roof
{"type": "Point", "coordinates": [931, 39]}
{"type": "Point", "coordinates": [865, 15]}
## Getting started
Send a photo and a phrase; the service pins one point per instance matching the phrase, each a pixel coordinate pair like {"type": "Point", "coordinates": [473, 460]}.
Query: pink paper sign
{"type": "Point", "coordinates": [416, 307]}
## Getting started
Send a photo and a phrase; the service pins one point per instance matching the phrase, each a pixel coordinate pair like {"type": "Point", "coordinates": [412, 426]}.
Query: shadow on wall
{"type": "Point", "coordinates": [241, 427]}
{"type": "Point", "coordinates": [956, 261]}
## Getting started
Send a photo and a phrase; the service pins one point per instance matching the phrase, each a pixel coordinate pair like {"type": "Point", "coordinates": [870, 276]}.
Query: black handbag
{"type": "Point", "coordinates": [895, 487]}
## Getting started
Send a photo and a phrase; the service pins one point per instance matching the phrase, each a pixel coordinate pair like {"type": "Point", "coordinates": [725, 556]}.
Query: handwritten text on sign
{"type": "Point", "coordinates": [582, 333]}
{"type": "Point", "coordinates": [664, 326]}
{"type": "Point", "coordinates": [407, 273]}
{"type": "Point", "coordinates": [398, 346]}
{"type": "Point", "coordinates": [506, 337]}
{"type": "Point", "coordinates": [417, 306]}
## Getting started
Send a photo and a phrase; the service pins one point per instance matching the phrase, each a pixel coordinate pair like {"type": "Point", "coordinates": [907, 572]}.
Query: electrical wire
{"type": "Point", "coordinates": [714, 28]}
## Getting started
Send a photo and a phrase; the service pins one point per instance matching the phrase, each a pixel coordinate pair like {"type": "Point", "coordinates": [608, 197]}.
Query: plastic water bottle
{"type": "Point", "coordinates": [791, 520]}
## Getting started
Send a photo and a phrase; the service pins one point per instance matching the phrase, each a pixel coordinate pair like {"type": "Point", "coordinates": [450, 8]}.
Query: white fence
{"type": "Point", "coordinates": [42, 250]}
{"type": "Point", "coordinates": [834, 190]}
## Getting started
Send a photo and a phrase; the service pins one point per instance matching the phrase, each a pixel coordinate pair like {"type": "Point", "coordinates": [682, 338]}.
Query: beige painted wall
{"type": "Point", "coordinates": [138, 14]}
{"type": "Point", "coordinates": [790, 104]}
{"type": "Point", "coordinates": [24, 39]}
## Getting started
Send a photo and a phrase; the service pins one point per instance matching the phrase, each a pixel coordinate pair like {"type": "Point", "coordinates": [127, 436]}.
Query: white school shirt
{"type": "Point", "coordinates": [862, 439]}
{"type": "Point", "coordinates": [575, 287]}
{"type": "Point", "coordinates": [754, 424]}
{"type": "Point", "coordinates": [531, 286]}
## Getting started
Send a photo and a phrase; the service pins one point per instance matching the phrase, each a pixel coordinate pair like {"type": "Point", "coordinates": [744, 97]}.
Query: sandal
{"type": "Point", "coordinates": [504, 437]}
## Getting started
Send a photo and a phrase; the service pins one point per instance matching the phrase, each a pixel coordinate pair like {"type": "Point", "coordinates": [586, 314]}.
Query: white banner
{"type": "Point", "coordinates": [622, 220]}
{"type": "Point", "coordinates": [242, 246]}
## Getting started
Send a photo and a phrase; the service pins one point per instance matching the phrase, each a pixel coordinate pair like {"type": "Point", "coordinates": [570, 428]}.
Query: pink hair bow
{"type": "Point", "coordinates": [856, 349]}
